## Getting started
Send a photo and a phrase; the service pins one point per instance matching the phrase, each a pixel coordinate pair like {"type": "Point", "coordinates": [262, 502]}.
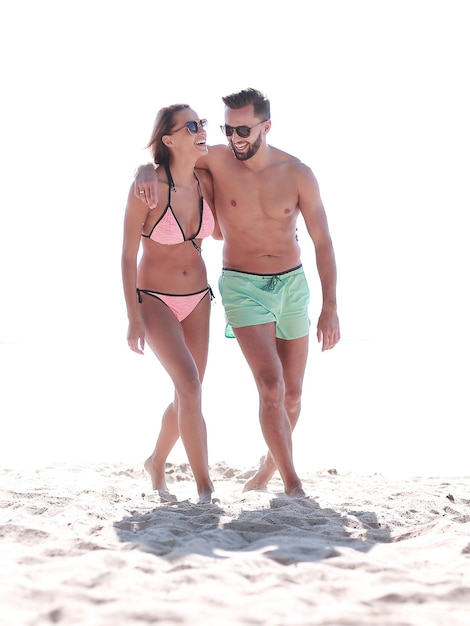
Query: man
{"type": "Point", "coordinates": [259, 192]}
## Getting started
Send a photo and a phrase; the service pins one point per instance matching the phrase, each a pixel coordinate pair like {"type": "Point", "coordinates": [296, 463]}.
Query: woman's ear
{"type": "Point", "coordinates": [167, 140]}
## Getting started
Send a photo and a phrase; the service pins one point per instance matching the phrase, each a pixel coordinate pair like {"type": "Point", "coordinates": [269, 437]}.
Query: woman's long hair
{"type": "Point", "coordinates": [162, 126]}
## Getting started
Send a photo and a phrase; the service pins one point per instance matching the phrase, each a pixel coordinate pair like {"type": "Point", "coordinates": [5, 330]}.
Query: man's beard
{"type": "Point", "coordinates": [244, 156]}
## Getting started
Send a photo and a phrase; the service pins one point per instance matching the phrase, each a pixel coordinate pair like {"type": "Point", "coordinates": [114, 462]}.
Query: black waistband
{"type": "Point", "coordinates": [229, 269]}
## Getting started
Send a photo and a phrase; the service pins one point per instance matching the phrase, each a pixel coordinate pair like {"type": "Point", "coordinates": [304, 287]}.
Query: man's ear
{"type": "Point", "coordinates": [267, 126]}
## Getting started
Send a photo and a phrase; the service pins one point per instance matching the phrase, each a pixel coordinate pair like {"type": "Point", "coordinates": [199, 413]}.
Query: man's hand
{"type": "Point", "coordinates": [328, 330]}
{"type": "Point", "coordinates": [145, 185]}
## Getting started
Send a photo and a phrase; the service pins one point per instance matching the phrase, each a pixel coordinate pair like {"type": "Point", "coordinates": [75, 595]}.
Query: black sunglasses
{"type": "Point", "coordinates": [192, 126]}
{"type": "Point", "coordinates": [242, 131]}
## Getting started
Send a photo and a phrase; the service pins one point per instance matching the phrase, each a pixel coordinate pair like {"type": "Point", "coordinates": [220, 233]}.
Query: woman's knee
{"type": "Point", "coordinates": [188, 390]}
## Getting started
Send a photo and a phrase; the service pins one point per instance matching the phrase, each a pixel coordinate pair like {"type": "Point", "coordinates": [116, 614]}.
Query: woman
{"type": "Point", "coordinates": [167, 295]}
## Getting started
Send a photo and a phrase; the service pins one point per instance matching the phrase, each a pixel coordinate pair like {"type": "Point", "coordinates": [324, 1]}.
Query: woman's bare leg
{"type": "Point", "coordinates": [196, 334]}
{"type": "Point", "coordinates": [155, 464]}
{"type": "Point", "coordinates": [171, 342]}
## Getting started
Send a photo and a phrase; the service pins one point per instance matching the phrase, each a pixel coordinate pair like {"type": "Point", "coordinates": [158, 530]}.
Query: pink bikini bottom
{"type": "Point", "coordinates": [181, 305]}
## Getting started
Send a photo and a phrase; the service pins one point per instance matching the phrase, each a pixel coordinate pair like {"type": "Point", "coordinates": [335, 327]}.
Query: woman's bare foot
{"type": "Point", "coordinates": [157, 477]}
{"type": "Point", "coordinates": [166, 496]}
{"type": "Point", "coordinates": [205, 497]}
{"type": "Point", "coordinates": [260, 480]}
{"type": "Point", "coordinates": [296, 492]}
{"type": "Point", "coordinates": [205, 494]}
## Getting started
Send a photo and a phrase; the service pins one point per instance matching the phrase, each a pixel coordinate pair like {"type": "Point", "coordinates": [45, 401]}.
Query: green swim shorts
{"type": "Point", "coordinates": [252, 299]}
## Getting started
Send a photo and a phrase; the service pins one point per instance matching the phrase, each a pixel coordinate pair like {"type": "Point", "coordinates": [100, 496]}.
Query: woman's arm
{"type": "Point", "coordinates": [135, 215]}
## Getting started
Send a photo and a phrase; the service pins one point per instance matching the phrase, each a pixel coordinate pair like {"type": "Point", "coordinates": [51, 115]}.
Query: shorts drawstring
{"type": "Point", "coordinates": [271, 284]}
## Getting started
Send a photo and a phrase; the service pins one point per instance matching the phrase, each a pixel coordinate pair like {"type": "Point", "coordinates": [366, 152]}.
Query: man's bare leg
{"type": "Point", "coordinates": [293, 355]}
{"type": "Point", "coordinates": [258, 345]}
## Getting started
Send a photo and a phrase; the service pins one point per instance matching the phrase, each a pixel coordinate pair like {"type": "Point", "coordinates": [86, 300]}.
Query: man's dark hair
{"type": "Point", "coordinates": [248, 96]}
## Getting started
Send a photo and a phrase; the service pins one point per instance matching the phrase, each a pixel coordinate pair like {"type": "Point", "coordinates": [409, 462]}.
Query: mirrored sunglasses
{"type": "Point", "coordinates": [192, 126]}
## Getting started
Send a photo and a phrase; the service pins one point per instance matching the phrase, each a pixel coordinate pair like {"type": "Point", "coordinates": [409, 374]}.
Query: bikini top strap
{"type": "Point", "coordinates": [171, 184]}
{"type": "Point", "coordinates": [201, 197]}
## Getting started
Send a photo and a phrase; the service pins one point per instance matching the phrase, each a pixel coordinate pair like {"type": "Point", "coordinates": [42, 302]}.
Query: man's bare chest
{"type": "Point", "coordinates": [267, 198]}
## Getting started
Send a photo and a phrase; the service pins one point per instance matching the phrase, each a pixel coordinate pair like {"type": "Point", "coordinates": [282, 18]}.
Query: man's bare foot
{"type": "Point", "coordinates": [260, 480]}
{"type": "Point", "coordinates": [158, 481]}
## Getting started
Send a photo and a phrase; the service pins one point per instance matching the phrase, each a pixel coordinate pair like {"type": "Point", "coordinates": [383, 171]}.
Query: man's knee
{"type": "Point", "coordinates": [294, 392]}
{"type": "Point", "coordinates": [271, 388]}
{"type": "Point", "coordinates": [293, 397]}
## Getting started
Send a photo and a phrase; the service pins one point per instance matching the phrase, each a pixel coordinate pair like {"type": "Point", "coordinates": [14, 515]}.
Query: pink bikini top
{"type": "Point", "coordinates": [167, 230]}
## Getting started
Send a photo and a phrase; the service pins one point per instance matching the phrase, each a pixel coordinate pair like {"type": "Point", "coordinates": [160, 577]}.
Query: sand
{"type": "Point", "coordinates": [93, 545]}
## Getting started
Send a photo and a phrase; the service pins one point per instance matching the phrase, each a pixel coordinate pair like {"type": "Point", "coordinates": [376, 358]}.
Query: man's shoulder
{"type": "Point", "coordinates": [218, 151]}
{"type": "Point", "coordinates": [289, 161]}
{"type": "Point", "coordinates": [284, 158]}
{"type": "Point", "coordinates": [218, 146]}
{"type": "Point", "coordinates": [215, 156]}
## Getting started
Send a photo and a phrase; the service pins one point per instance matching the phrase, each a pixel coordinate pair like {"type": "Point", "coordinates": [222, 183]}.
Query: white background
{"type": "Point", "coordinates": [372, 95]}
